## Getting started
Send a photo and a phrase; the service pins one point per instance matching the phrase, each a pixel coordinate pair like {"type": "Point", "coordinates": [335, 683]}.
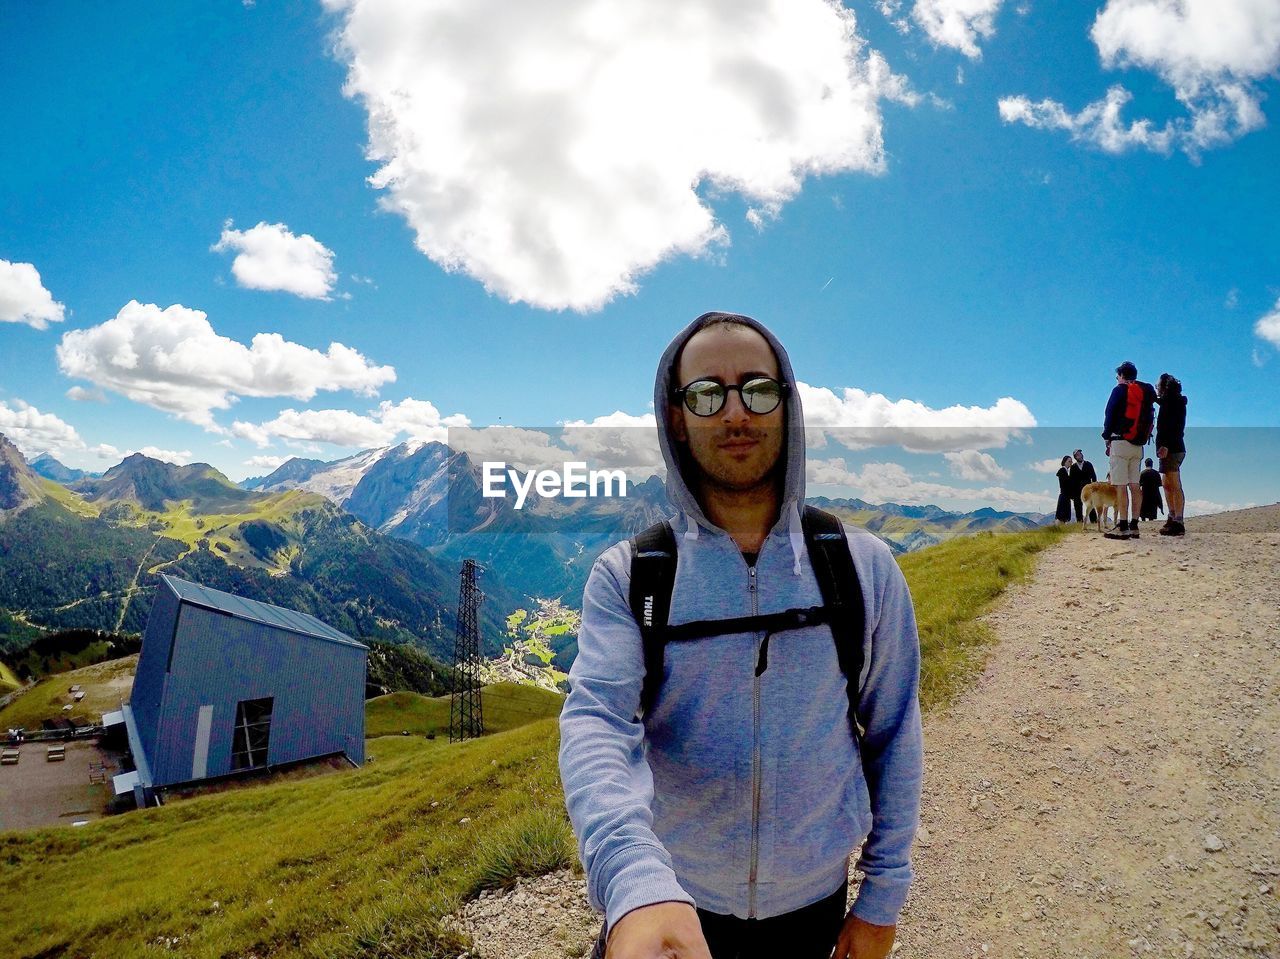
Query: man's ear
{"type": "Point", "coordinates": [676, 420]}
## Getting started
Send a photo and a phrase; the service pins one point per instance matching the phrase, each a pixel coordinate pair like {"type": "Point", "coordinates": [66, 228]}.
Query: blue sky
{"type": "Point", "coordinates": [991, 248]}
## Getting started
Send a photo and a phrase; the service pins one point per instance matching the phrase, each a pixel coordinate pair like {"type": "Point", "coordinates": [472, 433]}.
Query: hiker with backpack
{"type": "Point", "coordinates": [743, 709]}
{"type": "Point", "coordinates": [1126, 427]}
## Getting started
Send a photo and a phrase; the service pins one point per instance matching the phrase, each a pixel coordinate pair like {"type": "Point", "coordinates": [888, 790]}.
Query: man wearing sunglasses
{"type": "Point", "coordinates": [720, 823]}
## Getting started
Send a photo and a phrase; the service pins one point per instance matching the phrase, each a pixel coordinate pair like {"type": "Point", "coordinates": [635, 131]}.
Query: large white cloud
{"type": "Point", "coordinates": [23, 298]}
{"type": "Point", "coordinates": [892, 483]}
{"type": "Point", "coordinates": [1268, 327]}
{"type": "Point", "coordinates": [857, 419]}
{"type": "Point", "coordinates": [556, 151]}
{"type": "Point", "coordinates": [958, 24]}
{"type": "Point", "coordinates": [34, 432]}
{"type": "Point", "coordinates": [975, 466]}
{"type": "Point", "coordinates": [1212, 53]}
{"type": "Point", "coordinates": [269, 257]}
{"type": "Point", "coordinates": [389, 423]}
{"type": "Point", "coordinates": [173, 360]}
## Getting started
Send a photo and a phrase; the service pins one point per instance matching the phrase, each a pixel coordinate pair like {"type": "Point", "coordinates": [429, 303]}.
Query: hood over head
{"type": "Point", "coordinates": [793, 444]}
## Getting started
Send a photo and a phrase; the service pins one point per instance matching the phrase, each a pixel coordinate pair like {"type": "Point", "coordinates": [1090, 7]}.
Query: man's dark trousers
{"type": "Point", "coordinates": [807, 933]}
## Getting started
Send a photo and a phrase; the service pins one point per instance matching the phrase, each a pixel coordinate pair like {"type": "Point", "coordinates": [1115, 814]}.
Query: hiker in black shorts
{"type": "Point", "coordinates": [1171, 447]}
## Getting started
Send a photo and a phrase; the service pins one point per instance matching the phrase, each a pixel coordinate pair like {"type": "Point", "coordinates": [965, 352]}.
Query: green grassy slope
{"type": "Point", "coordinates": [105, 685]}
{"type": "Point", "coordinates": [952, 584]}
{"type": "Point", "coordinates": [355, 864]}
{"type": "Point", "coordinates": [360, 863]}
{"type": "Point", "coordinates": [506, 706]}
{"type": "Point", "coordinates": [8, 680]}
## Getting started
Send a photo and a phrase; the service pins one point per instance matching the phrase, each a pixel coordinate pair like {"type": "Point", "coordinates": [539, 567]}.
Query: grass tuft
{"type": "Point", "coordinates": [536, 842]}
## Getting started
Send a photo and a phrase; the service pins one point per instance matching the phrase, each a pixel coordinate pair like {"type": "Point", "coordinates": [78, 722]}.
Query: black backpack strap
{"type": "Point", "coordinates": [653, 575]}
{"type": "Point", "coordinates": [832, 563]}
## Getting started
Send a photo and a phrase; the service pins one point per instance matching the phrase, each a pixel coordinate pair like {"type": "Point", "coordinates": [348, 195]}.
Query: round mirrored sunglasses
{"type": "Point", "coordinates": [760, 395]}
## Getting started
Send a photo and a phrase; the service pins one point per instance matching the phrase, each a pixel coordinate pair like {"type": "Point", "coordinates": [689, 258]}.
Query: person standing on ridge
{"type": "Point", "coordinates": [1126, 426]}
{"type": "Point", "coordinates": [1086, 475]}
{"type": "Point", "coordinates": [1171, 448]}
{"type": "Point", "coordinates": [720, 823]}
{"type": "Point", "coordinates": [1149, 480]}
{"type": "Point", "coordinates": [1067, 489]}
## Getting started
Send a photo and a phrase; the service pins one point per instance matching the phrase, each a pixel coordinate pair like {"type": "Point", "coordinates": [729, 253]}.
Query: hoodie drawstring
{"type": "Point", "coordinates": [691, 529]}
{"type": "Point", "coordinates": [797, 538]}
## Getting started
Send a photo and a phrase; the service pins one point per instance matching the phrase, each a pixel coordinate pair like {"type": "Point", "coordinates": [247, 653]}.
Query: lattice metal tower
{"type": "Point", "coordinates": [466, 712]}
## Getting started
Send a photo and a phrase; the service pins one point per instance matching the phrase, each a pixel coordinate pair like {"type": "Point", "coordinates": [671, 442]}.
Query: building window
{"type": "Point", "coordinates": [252, 733]}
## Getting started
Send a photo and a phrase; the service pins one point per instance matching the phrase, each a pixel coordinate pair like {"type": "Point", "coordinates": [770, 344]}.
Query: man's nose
{"type": "Point", "coordinates": [734, 411]}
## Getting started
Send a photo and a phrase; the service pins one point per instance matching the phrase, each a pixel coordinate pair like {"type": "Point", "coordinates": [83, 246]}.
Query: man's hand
{"type": "Point", "coordinates": [664, 930]}
{"type": "Point", "coordinates": [1108, 447]}
{"type": "Point", "coordinates": [860, 939]}
{"type": "Point", "coordinates": [1163, 452]}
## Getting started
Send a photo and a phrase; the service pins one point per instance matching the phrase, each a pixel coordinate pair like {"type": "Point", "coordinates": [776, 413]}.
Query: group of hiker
{"type": "Point", "coordinates": [1128, 425]}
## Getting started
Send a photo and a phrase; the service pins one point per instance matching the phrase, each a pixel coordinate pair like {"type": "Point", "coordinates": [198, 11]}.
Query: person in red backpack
{"type": "Point", "coordinates": [1127, 426]}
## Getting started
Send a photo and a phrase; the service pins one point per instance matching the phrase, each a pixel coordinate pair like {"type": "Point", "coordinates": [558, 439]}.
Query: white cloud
{"type": "Point", "coordinates": [959, 24]}
{"type": "Point", "coordinates": [172, 360]}
{"type": "Point", "coordinates": [1051, 465]}
{"type": "Point", "coordinates": [892, 483]}
{"type": "Point", "coordinates": [617, 441]}
{"type": "Point", "coordinates": [1203, 507]}
{"type": "Point", "coordinates": [176, 457]}
{"type": "Point", "coordinates": [23, 298]}
{"type": "Point", "coordinates": [416, 420]}
{"type": "Point", "coordinates": [269, 257]}
{"type": "Point", "coordinates": [34, 432]}
{"type": "Point", "coordinates": [1268, 327]}
{"type": "Point", "coordinates": [975, 466]}
{"type": "Point", "coordinates": [1212, 53]}
{"type": "Point", "coordinates": [857, 419]}
{"type": "Point", "coordinates": [555, 151]}
{"type": "Point", "coordinates": [82, 395]}
{"type": "Point", "coordinates": [266, 464]}
{"type": "Point", "coordinates": [105, 451]}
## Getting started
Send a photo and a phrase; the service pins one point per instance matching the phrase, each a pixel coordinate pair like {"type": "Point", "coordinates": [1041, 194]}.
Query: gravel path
{"type": "Point", "coordinates": [1108, 787]}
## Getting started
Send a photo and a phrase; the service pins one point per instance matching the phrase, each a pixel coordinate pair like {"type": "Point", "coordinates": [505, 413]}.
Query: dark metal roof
{"type": "Point", "coordinates": [278, 617]}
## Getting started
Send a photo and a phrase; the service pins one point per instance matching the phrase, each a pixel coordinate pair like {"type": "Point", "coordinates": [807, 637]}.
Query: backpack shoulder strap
{"type": "Point", "coordinates": [832, 563]}
{"type": "Point", "coordinates": [653, 575]}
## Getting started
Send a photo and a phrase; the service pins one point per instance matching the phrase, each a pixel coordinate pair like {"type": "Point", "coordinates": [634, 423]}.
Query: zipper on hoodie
{"type": "Point", "coordinates": [755, 756]}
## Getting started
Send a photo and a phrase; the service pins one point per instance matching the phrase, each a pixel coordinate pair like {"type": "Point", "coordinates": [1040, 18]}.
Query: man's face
{"type": "Point", "coordinates": [734, 448]}
{"type": "Point", "coordinates": [1079, 456]}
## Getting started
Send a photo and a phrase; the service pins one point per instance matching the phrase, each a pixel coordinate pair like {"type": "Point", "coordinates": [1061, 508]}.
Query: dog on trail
{"type": "Point", "coordinates": [1099, 497]}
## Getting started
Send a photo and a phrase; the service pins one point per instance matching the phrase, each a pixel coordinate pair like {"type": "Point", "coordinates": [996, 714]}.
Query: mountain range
{"type": "Point", "coordinates": [371, 542]}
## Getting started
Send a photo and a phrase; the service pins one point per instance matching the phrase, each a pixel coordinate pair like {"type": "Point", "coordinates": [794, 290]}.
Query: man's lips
{"type": "Point", "coordinates": [735, 446]}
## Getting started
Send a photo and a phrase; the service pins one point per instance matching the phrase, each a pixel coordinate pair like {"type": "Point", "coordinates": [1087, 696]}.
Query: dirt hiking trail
{"type": "Point", "coordinates": [1109, 786]}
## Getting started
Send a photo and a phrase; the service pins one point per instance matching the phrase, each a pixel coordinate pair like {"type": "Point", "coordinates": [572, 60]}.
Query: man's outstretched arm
{"type": "Point", "coordinates": [608, 785]}
{"type": "Point", "coordinates": [892, 749]}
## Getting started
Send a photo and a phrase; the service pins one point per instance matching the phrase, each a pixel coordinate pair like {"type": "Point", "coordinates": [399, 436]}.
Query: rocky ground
{"type": "Point", "coordinates": [1108, 787]}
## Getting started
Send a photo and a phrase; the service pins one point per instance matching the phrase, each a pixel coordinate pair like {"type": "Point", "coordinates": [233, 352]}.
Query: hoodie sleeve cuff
{"type": "Point", "coordinates": [880, 900]}
{"type": "Point", "coordinates": [640, 876]}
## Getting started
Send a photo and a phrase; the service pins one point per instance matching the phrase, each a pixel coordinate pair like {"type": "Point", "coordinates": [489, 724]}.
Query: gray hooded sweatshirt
{"type": "Point", "coordinates": [736, 793]}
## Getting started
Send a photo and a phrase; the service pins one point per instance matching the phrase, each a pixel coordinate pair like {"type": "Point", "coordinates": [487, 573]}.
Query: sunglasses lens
{"type": "Point", "coordinates": [761, 396]}
{"type": "Point", "coordinates": [704, 397]}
